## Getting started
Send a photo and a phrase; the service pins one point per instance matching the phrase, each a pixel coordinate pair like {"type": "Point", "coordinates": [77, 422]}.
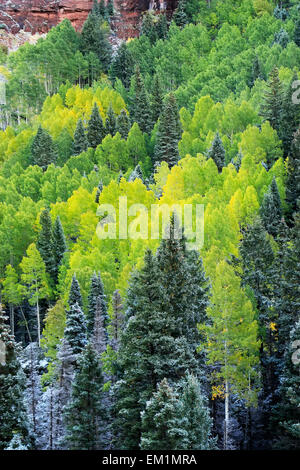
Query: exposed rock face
{"type": "Point", "coordinates": [38, 16]}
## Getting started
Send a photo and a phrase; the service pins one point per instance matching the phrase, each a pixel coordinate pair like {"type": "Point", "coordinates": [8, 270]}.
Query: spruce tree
{"type": "Point", "coordinates": [33, 387]}
{"type": "Point", "coordinates": [141, 107]}
{"type": "Point", "coordinates": [99, 334]}
{"type": "Point", "coordinates": [85, 415]}
{"type": "Point", "coordinates": [136, 174]}
{"type": "Point", "coordinates": [272, 107]}
{"type": "Point", "coordinates": [99, 191]}
{"type": "Point", "coordinates": [94, 39]}
{"type": "Point", "coordinates": [80, 143]}
{"type": "Point", "coordinates": [162, 27]}
{"type": "Point", "coordinates": [180, 16]}
{"type": "Point", "coordinates": [95, 130]}
{"type": "Point", "coordinates": [13, 417]}
{"type": "Point", "coordinates": [42, 149]}
{"type": "Point", "coordinates": [297, 33]}
{"type": "Point", "coordinates": [290, 116]}
{"type": "Point", "coordinates": [122, 65]}
{"type": "Point", "coordinates": [96, 292]}
{"type": "Point", "coordinates": [45, 243]}
{"type": "Point", "coordinates": [75, 294]}
{"type": "Point", "coordinates": [59, 244]}
{"type": "Point", "coordinates": [148, 27]}
{"type": "Point", "coordinates": [110, 122]}
{"type": "Point", "coordinates": [168, 133]}
{"type": "Point", "coordinates": [123, 124]}
{"type": "Point", "coordinates": [163, 421]}
{"type": "Point", "coordinates": [117, 320]}
{"type": "Point", "coordinates": [75, 330]}
{"type": "Point", "coordinates": [217, 152]}
{"type": "Point", "coordinates": [256, 71]}
{"type": "Point", "coordinates": [270, 211]}
{"type": "Point", "coordinates": [110, 8]}
{"type": "Point", "coordinates": [293, 176]}
{"type": "Point", "coordinates": [156, 99]}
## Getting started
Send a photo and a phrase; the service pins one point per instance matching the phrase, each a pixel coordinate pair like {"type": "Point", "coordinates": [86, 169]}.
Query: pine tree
{"type": "Point", "coordinates": [96, 293]}
{"type": "Point", "coordinates": [293, 176]}
{"type": "Point", "coordinates": [297, 33]}
{"type": "Point", "coordinates": [99, 334]}
{"type": "Point", "coordinates": [156, 99]}
{"type": "Point", "coordinates": [290, 117]}
{"type": "Point", "coordinates": [256, 72]}
{"type": "Point", "coordinates": [80, 143]}
{"type": "Point", "coordinates": [42, 149]}
{"type": "Point", "coordinates": [198, 424]}
{"type": "Point", "coordinates": [282, 38]}
{"type": "Point", "coordinates": [75, 330]}
{"type": "Point", "coordinates": [85, 415]}
{"type": "Point", "coordinates": [45, 243]}
{"type": "Point", "coordinates": [17, 443]}
{"type": "Point", "coordinates": [123, 124]}
{"type": "Point", "coordinates": [136, 174]}
{"type": "Point", "coordinates": [110, 122]}
{"type": "Point", "coordinates": [141, 110]}
{"type": "Point", "coordinates": [33, 387]}
{"type": "Point", "coordinates": [102, 9]}
{"type": "Point", "coordinates": [13, 419]}
{"type": "Point", "coordinates": [110, 7]}
{"type": "Point", "coordinates": [122, 65]}
{"type": "Point", "coordinates": [117, 320]}
{"type": "Point", "coordinates": [272, 106]}
{"type": "Point", "coordinates": [94, 39]}
{"type": "Point", "coordinates": [162, 27]}
{"type": "Point", "coordinates": [59, 244]}
{"type": "Point", "coordinates": [270, 211]}
{"type": "Point", "coordinates": [75, 294]}
{"type": "Point", "coordinates": [95, 130]}
{"type": "Point", "coordinates": [180, 16]}
{"type": "Point", "coordinates": [99, 191]}
{"type": "Point", "coordinates": [163, 421]}
{"type": "Point", "coordinates": [217, 152]}
{"type": "Point", "coordinates": [168, 133]}
{"type": "Point", "coordinates": [148, 27]}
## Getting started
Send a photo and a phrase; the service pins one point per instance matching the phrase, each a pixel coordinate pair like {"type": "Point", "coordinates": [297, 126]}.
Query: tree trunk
{"type": "Point", "coordinates": [38, 322]}
{"type": "Point", "coordinates": [226, 421]}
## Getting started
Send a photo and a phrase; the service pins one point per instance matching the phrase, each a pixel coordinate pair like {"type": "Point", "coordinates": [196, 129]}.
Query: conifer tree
{"type": "Point", "coordinates": [102, 9]}
{"type": "Point", "coordinates": [96, 292]}
{"type": "Point", "coordinates": [180, 16]}
{"type": "Point", "coordinates": [122, 65]}
{"type": "Point", "coordinates": [156, 99]}
{"type": "Point", "coordinates": [13, 419]}
{"type": "Point", "coordinates": [272, 107]}
{"type": "Point", "coordinates": [148, 27]}
{"type": "Point", "coordinates": [270, 211]}
{"type": "Point", "coordinates": [163, 421]}
{"type": "Point", "coordinates": [169, 133]}
{"type": "Point", "coordinates": [256, 71]}
{"type": "Point", "coordinates": [99, 191]}
{"type": "Point", "coordinates": [110, 122]}
{"type": "Point", "coordinates": [290, 116]}
{"type": "Point", "coordinates": [85, 414]}
{"type": "Point", "coordinates": [162, 27]}
{"type": "Point", "coordinates": [95, 130]}
{"type": "Point", "coordinates": [123, 124]}
{"type": "Point", "coordinates": [93, 38]}
{"type": "Point", "coordinates": [33, 387]}
{"type": "Point", "coordinates": [42, 149]}
{"type": "Point", "coordinates": [99, 334]}
{"type": "Point", "coordinates": [45, 243]}
{"type": "Point", "coordinates": [217, 152]}
{"type": "Point", "coordinates": [75, 294]}
{"type": "Point", "coordinates": [293, 176]}
{"type": "Point", "coordinates": [110, 7]}
{"type": "Point", "coordinates": [80, 143]}
{"type": "Point", "coordinates": [59, 244]}
{"type": "Point", "coordinates": [141, 106]}
{"type": "Point", "coordinates": [136, 174]}
{"type": "Point", "coordinates": [75, 330]}
{"type": "Point", "coordinates": [297, 33]}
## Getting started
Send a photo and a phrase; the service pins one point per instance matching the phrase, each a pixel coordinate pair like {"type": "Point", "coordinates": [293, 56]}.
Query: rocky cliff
{"type": "Point", "coordinates": [38, 16]}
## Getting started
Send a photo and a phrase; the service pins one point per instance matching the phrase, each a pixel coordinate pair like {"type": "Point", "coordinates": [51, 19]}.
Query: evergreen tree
{"type": "Point", "coordinates": [156, 99]}
{"type": "Point", "coordinates": [17, 443]}
{"type": "Point", "coordinates": [122, 65]}
{"type": "Point", "coordinates": [99, 335]}
{"type": "Point", "coordinates": [272, 107]}
{"type": "Point", "coordinates": [282, 38]}
{"type": "Point", "coordinates": [45, 243]}
{"type": "Point", "coordinates": [75, 330]}
{"type": "Point", "coordinates": [270, 211]}
{"type": "Point", "coordinates": [290, 116]}
{"type": "Point", "coordinates": [110, 7]}
{"type": "Point", "coordinates": [33, 387]}
{"type": "Point", "coordinates": [293, 176]}
{"type": "Point", "coordinates": [94, 39]}
{"type": "Point", "coordinates": [102, 9]}
{"type": "Point", "coordinates": [59, 244]}
{"type": "Point", "coordinates": [141, 103]}
{"type": "Point", "coordinates": [256, 71]}
{"type": "Point", "coordinates": [179, 15]}
{"type": "Point", "coordinates": [162, 27]}
{"type": "Point", "coordinates": [42, 149]}
{"type": "Point", "coordinates": [136, 174]}
{"type": "Point", "coordinates": [95, 130]}
{"type": "Point", "coordinates": [13, 419]}
{"type": "Point", "coordinates": [148, 27]}
{"type": "Point", "coordinates": [217, 152]}
{"type": "Point", "coordinates": [85, 415]}
{"type": "Point", "coordinates": [123, 124]}
{"type": "Point", "coordinates": [110, 122]}
{"type": "Point", "coordinates": [75, 294]}
{"type": "Point", "coordinates": [96, 292]}
{"type": "Point", "coordinates": [80, 143]}
{"type": "Point", "coordinates": [168, 133]}
{"type": "Point", "coordinates": [163, 421]}
{"type": "Point", "coordinates": [99, 191]}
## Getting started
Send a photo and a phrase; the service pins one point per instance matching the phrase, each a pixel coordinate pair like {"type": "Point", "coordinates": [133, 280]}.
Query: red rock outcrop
{"type": "Point", "coordinates": [38, 16]}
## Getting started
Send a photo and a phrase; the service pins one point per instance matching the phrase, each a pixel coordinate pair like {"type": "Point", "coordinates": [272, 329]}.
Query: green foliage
{"type": "Point", "coordinates": [42, 149]}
